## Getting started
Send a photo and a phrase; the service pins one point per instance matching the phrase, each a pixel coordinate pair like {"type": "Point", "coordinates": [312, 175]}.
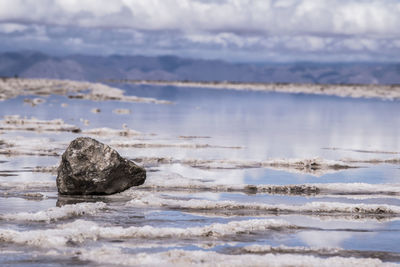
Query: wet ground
{"type": "Point", "coordinates": [234, 177]}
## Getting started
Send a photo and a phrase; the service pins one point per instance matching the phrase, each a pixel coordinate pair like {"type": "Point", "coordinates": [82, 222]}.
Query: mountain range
{"type": "Point", "coordinates": [97, 68]}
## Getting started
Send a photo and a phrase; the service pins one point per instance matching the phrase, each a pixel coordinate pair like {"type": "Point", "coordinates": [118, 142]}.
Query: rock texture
{"type": "Point", "coordinates": [89, 167]}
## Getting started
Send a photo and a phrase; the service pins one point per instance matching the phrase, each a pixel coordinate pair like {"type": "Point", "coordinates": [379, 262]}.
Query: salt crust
{"type": "Point", "coordinates": [28, 185]}
{"type": "Point", "coordinates": [81, 230]}
{"type": "Point", "coordinates": [56, 213]}
{"type": "Point", "coordinates": [176, 181]}
{"type": "Point", "coordinates": [142, 199]}
{"type": "Point", "coordinates": [23, 146]}
{"type": "Point", "coordinates": [315, 166]}
{"type": "Point", "coordinates": [13, 87]}
{"type": "Point", "coordinates": [323, 251]}
{"type": "Point", "coordinates": [389, 92]}
{"type": "Point", "coordinates": [373, 161]}
{"type": "Point", "coordinates": [122, 111]}
{"type": "Point", "coordinates": [107, 255]}
{"type": "Point", "coordinates": [286, 249]}
{"type": "Point", "coordinates": [162, 145]}
{"type": "Point", "coordinates": [17, 123]}
{"type": "Point", "coordinates": [108, 132]}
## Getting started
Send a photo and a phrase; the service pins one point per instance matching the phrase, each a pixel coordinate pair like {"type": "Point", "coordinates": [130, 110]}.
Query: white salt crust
{"type": "Point", "coordinates": [176, 181]}
{"type": "Point", "coordinates": [389, 92]}
{"type": "Point", "coordinates": [107, 255]}
{"type": "Point", "coordinates": [81, 230]}
{"type": "Point", "coordinates": [56, 213]}
{"type": "Point", "coordinates": [314, 166]}
{"type": "Point", "coordinates": [13, 87]}
{"type": "Point", "coordinates": [142, 199]}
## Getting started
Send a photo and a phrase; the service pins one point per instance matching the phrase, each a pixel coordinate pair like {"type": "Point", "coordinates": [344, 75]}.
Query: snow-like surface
{"type": "Point", "coordinates": [16, 123]}
{"type": "Point", "coordinates": [356, 91]}
{"type": "Point", "coordinates": [20, 145]}
{"type": "Point", "coordinates": [13, 87]}
{"type": "Point", "coordinates": [373, 160]}
{"type": "Point", "coordinates": [80, 230]}
{"type": "Point", "coordinates": [315, 166]}
{"type": "Point", "coordinates": [28, 185]}
{"type": "Point", "coordinates": [108, 132]}
{"type": "Point", "coordinates": [135, 144]}
{"type": "Point", "coordinates": [176, 181]}
{"type": "Point", "coordinates": [106, 255]}
{"type": "Point", "coordinates": [286, 249]}
{"type": "Point", "coordinates": [147, 199]}
{"type": "Point", "coordinates": [56, 213]}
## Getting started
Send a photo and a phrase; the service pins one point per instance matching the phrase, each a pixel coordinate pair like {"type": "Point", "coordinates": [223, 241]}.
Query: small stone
{"type": "Point", "coordinates": [89, 167]}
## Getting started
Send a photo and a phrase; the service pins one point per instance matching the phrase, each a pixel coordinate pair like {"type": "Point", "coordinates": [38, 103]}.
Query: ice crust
{"type": "Point", "coordinates": [56, 213]}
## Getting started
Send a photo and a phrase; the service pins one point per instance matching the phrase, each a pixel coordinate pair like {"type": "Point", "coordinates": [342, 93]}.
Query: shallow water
{"type": "Point", "coordinates": [221, 169]}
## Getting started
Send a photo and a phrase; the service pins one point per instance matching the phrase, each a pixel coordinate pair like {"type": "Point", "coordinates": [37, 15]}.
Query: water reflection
{"type": "Point", "coordinates": [324, 239]}
{"type": "Point", "coordinates": [278, 125]}
{"type": "Point", "coordinates": [265, 125]}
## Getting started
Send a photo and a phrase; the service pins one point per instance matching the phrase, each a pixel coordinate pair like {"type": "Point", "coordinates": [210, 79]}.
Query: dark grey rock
{"type": "Point", "coordinates": [89, 167]}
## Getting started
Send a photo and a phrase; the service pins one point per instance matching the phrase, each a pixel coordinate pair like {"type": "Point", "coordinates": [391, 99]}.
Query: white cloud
{"type": "Point", "coordinates": [12, 27]}
{"type": "Point", "coordinates": [261, 29]}
{"type": "Point", "coordinates": [354, 17]}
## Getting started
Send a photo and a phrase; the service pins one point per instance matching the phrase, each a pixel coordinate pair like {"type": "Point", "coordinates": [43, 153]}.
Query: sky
{"type": "Point", "coordinates": [231, 30]}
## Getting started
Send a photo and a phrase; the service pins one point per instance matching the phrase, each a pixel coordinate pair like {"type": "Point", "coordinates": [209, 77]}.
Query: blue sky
{"type": "Point", "coordinates": [233, 30]}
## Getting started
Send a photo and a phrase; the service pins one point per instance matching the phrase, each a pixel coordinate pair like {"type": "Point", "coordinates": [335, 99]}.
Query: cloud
{"type": "Point", "coordinates": [337, 17]}
{"type": "Point", "coordinates": [11, 27]}
{"type": "Point", "coordinates": [270, 28]}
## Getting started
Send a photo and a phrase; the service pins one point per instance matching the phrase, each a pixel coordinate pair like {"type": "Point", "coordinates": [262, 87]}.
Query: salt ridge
{"type": "Point", "coordinates": [356, 91]}
{"type": "Point", "coordinates": [144, 199]}
{"type": "Point", "coordinates": [166, 145]}
{"type": "Point", "coordinates": [56, 213]}
{"type": "Point", "coordinates": [13, 87]}
{"type": "Point", "coordinates": [29, 185]}
{"type": "Point", "coordinates": [16, 123]}
{"type": "Point", "coordinates": [178, 182]}
{"type": "Point", "coordinates": [106, 255]}
{"type": "Point", "coordinates": [319, 251]}
{"type": "Point", "coordinates": [22, 146]}
{"type": "Point", "coordinates": [108, 132]}
{"type": "Point", "coordinates": [80, 230]}
{"type": "Point", "coordinates": [314, 166]}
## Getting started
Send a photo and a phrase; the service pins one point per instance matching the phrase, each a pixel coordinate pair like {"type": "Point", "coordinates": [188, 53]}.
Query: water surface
{"type": "Point", "coordinates": [217, 126]}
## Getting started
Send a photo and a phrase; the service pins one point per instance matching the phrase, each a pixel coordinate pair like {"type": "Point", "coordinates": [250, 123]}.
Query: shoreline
{"type": "Point", "coordinates": [386, 92]}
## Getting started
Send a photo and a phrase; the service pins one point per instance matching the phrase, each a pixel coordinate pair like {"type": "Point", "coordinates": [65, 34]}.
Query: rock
{"type": "Point", "coordinates": [89, 167]}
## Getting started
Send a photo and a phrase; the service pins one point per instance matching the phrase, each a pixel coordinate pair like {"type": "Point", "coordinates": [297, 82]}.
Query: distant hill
{"type": "Point", "coordinates": [93, 68]}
